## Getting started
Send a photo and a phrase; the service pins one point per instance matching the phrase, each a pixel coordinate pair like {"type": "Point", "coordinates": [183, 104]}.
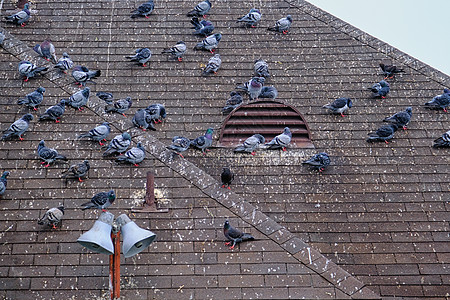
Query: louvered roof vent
{"type": "Point", "coordinates": [266, 117]}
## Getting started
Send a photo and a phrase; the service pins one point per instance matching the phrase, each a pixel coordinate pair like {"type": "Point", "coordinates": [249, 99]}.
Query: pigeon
{"type": "Point", "coordinates": [18, 127]}
{"type": "Point", "coordinates": [98, 134]}
{"type": "Point", "coordinates": [339, 106]}
{"type": "Point", "coordinates": [318, 162]}
{"type": "Point", "coordinates": [226, 177]}
{"type": "Point", "coordinates": [28, 70]}
{"type": "Point", "coordinates": [213, 65]}
{"type": "Point", "coordinates": [390, 70]}
{"type": "Point", "coordinates": [402, 118]}
{"type": "Point", "coordinates": [280, 141]}
{"type": "Point", "coordinates": [440, 101]}
{"type": "Point", "coordinates": [133, 156]}
{"type": "Point", "coordinates": [102, 201]}
{"type": "Point", "coordinates": [142, 56]}
{"type": "Point", "coordinates": [118, 144]}
{"type": "Point", "coordinates": [384, 133]}
{"type": "Point", "coordinates": [200, 10]}
{"type": "Point", "coordinates": [142, 119]}
{"type": "Point", "coordinates": [82, 75]}
{"type": "Point", "coordinates": [282, 25]}
{"type": "Point", "coordinates": [178, 50]}
{"type": "Point", "coordinates": [143, 10]}
{"type": "Point", "coordinates": [250, 19]}
{"type": "Point", "coordinates": [268, 92]}
{"type": "Point", "coordinates": [179, 144]}
{"type": "Point", "coordinates": [234, 101]}
{"type": "Point", "coordinates": [253, 87]}
{"type": "Point", "coordinates": [235, 236]}
{"type": "Point", "coordinates": [33, 99]}
{"type": "Point", "coordinates": [21, 17]}
{"type": "Point", "coordinates": [64, 63]}
{"type": "Point", "coordinates": [2, 37]}
{"type": "Point", "coordinates": [202, 27]}
{"type": "Point", "coordinates": [203, 142]}
{"type": "Point", "coordinates": [443, 141]}
{"type": "Point", "coordinates": [120, 106]}
{"type": "Point", "coordinates": [47, 50]}
{"type": "Point", "coordinates": [261, 68]}
{"type": "Point", "coordinates": [78, 170]}
{"type": "Point", "coordinates": [157, 112]}
{"type": "Point", "coordinates": [52, 217]}
{"type": "Point", "coordinates": [250, 144]}
{"type": "Point", "coordinates": [209, 43]}
{"type": "Point", "coordinates": [48, 155]}
{"type": "Point", "coordinates": [105, 96]}
{"type": "Point", "coordinates": [3, 183]}
{"type": "Point", "coordinates": [54, 112]}
{"type": "Point", "coordinates": [380, 89]}
{"type": "Point", "coordinates": [80, 98]}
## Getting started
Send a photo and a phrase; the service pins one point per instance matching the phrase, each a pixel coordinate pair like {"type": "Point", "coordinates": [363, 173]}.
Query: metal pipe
{"type": "Point", "coordinates": [114, 267]}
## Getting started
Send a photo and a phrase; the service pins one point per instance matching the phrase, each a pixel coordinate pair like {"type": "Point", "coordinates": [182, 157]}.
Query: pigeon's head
{"type": "Point", "coordinates": [139, 145]}
{"type": "Point", "coordinates": [65, 55]}
{"type": "Point", "coordinates": [226, 170]}
{"type": "Point", "coordinates": [42, 143]}
{"type": "Point", "coordinates": [28, 117]}
{"type": "Point", "coordinates": [40, 90]}
{"type": "Point", "coordinates": [349, 102]}
{"type": "Point", "coordinates": [26, 6]}
{"type": "Point", "coordinates": [217, 55]}
{"type": "Point", "coordinates": [5, 174]}
{"type": "Point", "coordinates": [218, 36]}
{"type": "Point", "coordinates": [233, 93]}
{"type": "Point", "coordinates": [382, 66]}
{"type": "Point", "coordinates": [128, 99]}
{"type": "Point", "coordinates": [63, 102]}
{"type": "Point", "coordinates": [260, 138]}
{"type": "Point", "coordinates": [384, 83]}
{"type": "Point", "coordinates": [181, 42]}
{"type": "Point", "coordinates": [254, 10]}
{"type": "Point", "coordinates": [289, 18]}
{"type": "Point", "coordinates": [105, 124]}
{"type": "Point", "coordinates": [409, 110]}
{"type": "Point", "coordinates": [111, 196]}
{"type": "Point", "coordinates": [126, 136]}
{"type": "Point", "coordinates": [209, 132]}
{"type": "Point", "coordinates": [226, 225]}
{"type": "Point", "coordinates": [446, 91]}
{"type": "Point", "coordinates": [86, 163]}
{"type": "Point", "coordinates": [61, 208]}
{"type": "Point", "coordinates": [287, 131]}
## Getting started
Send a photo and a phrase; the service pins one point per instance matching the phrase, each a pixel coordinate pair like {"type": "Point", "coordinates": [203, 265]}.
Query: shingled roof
{"type": "Point", "coordinates": [373, 225]}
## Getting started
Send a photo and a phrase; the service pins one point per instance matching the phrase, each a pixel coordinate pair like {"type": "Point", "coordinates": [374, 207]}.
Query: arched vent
{"type": "Point", "coordinates": [266, 117]}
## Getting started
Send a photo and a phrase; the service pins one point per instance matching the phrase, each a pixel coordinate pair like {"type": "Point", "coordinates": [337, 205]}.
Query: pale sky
{"type": "Point", "coordinates": [417, 27]}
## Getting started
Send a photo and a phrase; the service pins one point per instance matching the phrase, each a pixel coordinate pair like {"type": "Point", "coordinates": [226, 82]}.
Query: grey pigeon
{"type": "Point", "coordinates": [178, 50]}
{"type": "Point", "coordinates": [21, 17]}
{"type": "Point", "coordinates": [268, 92]}
{"type": "Point", "coordinates": [157, 112]}
{"type": "Point", "coordinates": [120, 106]}
{"type": "Point", "coordinates": [179, 144]}
{"type": "Point", "coordinates": [64, 63]}
{"type": "Point", "coordinates": [142, 119]}
{"type": "Point", "coordinates": [52, 217]}
{"type": "Point", "coordinates": [200, 9]}
{"type": "Point", "coordinates": [226, 177]}
{"type": "Point", "coordinates": [54, 112]}
{"type": "Point", "coordinates": [339, 106]}
{"type": "Point", "coordinates": [142, 56]}
{"type": "Point", "coordinates": [234, 101]}
{"type": "Point", "coordinates": [251, 144]}
{"type": "Point", "coordinates": [28, 70]}
{"type": "Point", "coordinates": [282, 25]}
{"type": "Point", "coordinates": [83, 75]}
{"type": "Point", "coordinates": [402, 118]}
{"type": "Point", "coordinates": [80, 98]}
{"type": "Point", "coordinates": [389, 71]}
{"type": "Point", "coordinates": [18, 127]}
{"type": "Point", "coordinates": [261, 68]}
{"type": "Point", "coordinates": [209, 43]}
{"type": "Point", "coordinates": [118, 144]}
{"type": "Point", "coordinates": [253, 87]}
{"type": "Point", "coordinates": [440, 101]}
{"type": "Point", "coordinates": [203, 142]}
{"type": "Point", "coordinates": [318, 161]}
{"type": "Point", "coordinates": [281, 141]}
{"type": "Point", "coordinates": [143, 10]}
{"type": "Point", "coordinates": [48, 155]}
{"type": "Point", "coordinates": [33, 99]}
{"type": "Point", "coordinates": [213, 65]}
{"type": "Point", "coordinates": [380, 89]}
{"type": "Point", "coordinates": [78, 170]}
{"type": "Point", "coordinates": [46, 50]}
{"type": "Point", "coordinates": [250, 19]}
{"type": "Point", "coordinates": [102, 201]}
{"type": "Point", "coordinates": [105, 96]}
{"type": "Point", "coordinates": [133, 156]}
{"type": "Point", "coordinates": [3, 182]}
{"type": "Point", "coordinates": [202, 27]}
{"type": "Point", "coordinates": [443, 141]}
{"type": "Point", "coordinates": [98, 134]}
{"type": "Point", "coordinates": [235, 236]}
{"type": "Point", "coordinates": [384, 133]}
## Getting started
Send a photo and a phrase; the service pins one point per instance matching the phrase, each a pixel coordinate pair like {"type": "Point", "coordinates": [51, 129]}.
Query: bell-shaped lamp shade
{"type": "Point", "coordinates": [135, 239]}
{"type": "Point", "coordinates": [98, 238]}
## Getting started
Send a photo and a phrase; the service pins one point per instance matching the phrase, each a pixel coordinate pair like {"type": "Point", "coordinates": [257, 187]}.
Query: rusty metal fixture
{"type": "Point", "coordinates": [114, 267]}
{"type": "Point", "coordinates": [150, 202]}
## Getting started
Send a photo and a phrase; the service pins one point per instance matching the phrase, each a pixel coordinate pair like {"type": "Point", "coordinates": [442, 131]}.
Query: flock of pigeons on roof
{"type": "Point", "coordinates": [154, 113]}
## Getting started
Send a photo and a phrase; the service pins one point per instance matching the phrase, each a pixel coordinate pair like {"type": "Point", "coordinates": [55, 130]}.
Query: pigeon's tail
{"type": "Point", "coordinates": [192, 13]}
{"type": "Point", "coordinates": [272, 28]}
{"type": "Point", "coordinates": [40, 69]}
{"type": "Point", "coordinates": [84, 135]}
{"type": "Point", "coordinates": [247, 237]}
{"type": "Point", "coordinates": [133, 58]}
{"type": "Point", "coordinates": [240, 148]}
{"type": "Point", "coordinates": [109, 151]}
{"type": "Point", "coordinates": [122, 159]}
{"type": "Point", "coordinates": [110, 108]}
{"type": "Point", "coordinates": [199, 46]}
{"type": "Point", "coordinates": [311, 162]}
{"type": "Point", "coordinates": [26, 101]}
{"type": "Point", "coordinates": [440, 142]}
{"type": "Point", "coordinates": [61, 157]}
{"type": "Point", "coordinates": [7, 134]}
{"type": "Point", "coordinates": [391, 119]}
{"type": "Point", "coordinates": [94, 74]}
{"type": "Point", "coordinates": [87, 205]}
{"type": "Point", "coordinates": [135, 14]}
{"type": "Point", "coordinates": [196, 23]}
{"type": "Point", "coordinates": [41, 221]}
{"type": "Point", "coordinates": [45, 116]}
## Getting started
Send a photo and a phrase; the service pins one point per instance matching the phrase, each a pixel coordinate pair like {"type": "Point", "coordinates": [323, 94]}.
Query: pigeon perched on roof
{"type": "Point", "coordinates": [46, 50]}
{"type": "Point", "coordinates": [203, 142]}
{"type": "Point", "coordinates": [440, 101]}
{"type": "Point", "coordinates": [235, 236]}
{"type": "Point", "coordinates": [268, 92]}
{"type": "Point", "coordinates": [213, 65]}
{"type": "Point", "coordinates": [402, 118]}
{"type": "Point", "coordinates": [178, 50]}
{"type": "Point", "coordinates": [64, 63]}
{"type": "Point", "coordinates": [384, 133]}
{"type": "Point", "coordinates": [251, 144]}
{"type": "Point", "coordinates": [143, 10]}
{"type": "Point", "coordinates": [33, 99]}
{"type": "Point", "coordinates": [209, 43]}
{"type": "Point", "coordinates": [443, 141]}
{"type": "Point", "coordinates": [80, 98]}
{"type": "Point", "coordinates": [78, 170]}
{"type": "Point", "coordinates": [133, 156]}
{"type": "Point", "coordinates": [48, 155]}
{"type": "Point", "coordinates": [200, 9]}
{"type": "Point", "coordinates": [157, 112]}
{"type": "Point", "coordinates": [142, 56]}
{"type": "Point", "coordinates": [118, 144]}
{"type": "Point", "coordinates": [281, 141]}
{"type": "Point", "coordinates": [253, 87]}
{"type": "Point", "coordinates": [52, 217]}
{"type": "Point", "coordinates": [380, 89]}
{"type": "Point", "coordinates": [105, 96]}
{"type": "Point", "coordinates": [261, 68]}
{"type": "Point", "coordinates": [318, 161]}
{"type": "Point", "coordinates": [120, 106]}
{"type": "Point", "coordinates": [339, 106]}
{"type": "Point", "coordinates": [226, 177]}
{"type": "Point", "coordinates": [389, 71]}
{"type": "Point", "coordinates": [21, 17]}
{"type": "Point", "coordinates": [251, 18]}
{"type": "Point", "coordinates": [202, 27]}
{"type": "Point", "coordinates": [179, 145]}
{"type": "Point", "coordinates": [98, 134]}
{"type": "Point", "coordinates": [18, 128]}
{"type": "Point", "coordinates": [83, 75]}
{"type": "Point", "coordinates": [282, 25]}
{"type": "Point", "coordinates": [54, 112]}
{"type": "Point", "coordinates": [102, 201]}
{"type": "Point", "coordinates": [28, 70]}
{"type": "Point", "coordinates": [142, 119]}
{"type": "Point", "coordinates": [3, 182]}
{"type": "Point", "coordinates": [233, 102]}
